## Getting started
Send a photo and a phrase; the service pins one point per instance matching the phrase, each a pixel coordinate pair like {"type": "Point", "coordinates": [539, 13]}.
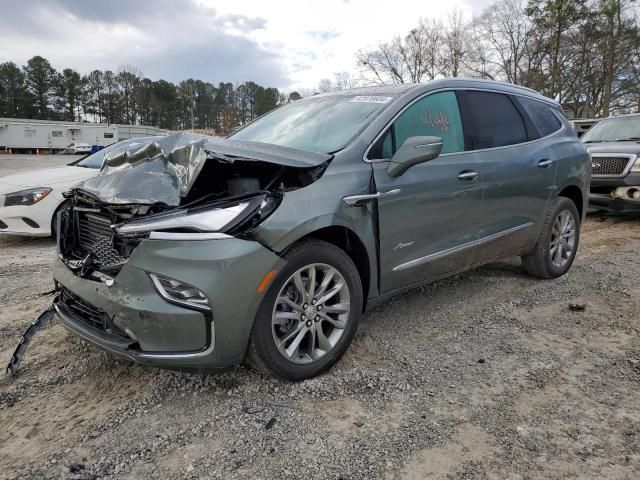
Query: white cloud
{"type": "Point", "coordinates": [295, 29]}
{"type": "Point", "coordinates": [288, 44]}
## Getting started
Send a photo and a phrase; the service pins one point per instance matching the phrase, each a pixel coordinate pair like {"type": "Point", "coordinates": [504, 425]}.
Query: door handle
{"type": "Point", "coordinates": [467, 175]}
{"type": "Point", "coordinates": [545, 163]}
{"type": "Point", "coordinates": [355, 200]}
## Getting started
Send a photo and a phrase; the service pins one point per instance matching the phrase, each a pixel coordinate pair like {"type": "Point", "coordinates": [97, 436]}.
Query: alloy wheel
{"type": "Point", "coordinates": [563, 239]}
{"type": "Point", "coordinates": [310, 313]}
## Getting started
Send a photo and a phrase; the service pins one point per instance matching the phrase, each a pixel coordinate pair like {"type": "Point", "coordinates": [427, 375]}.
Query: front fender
{"type": "Point", "coordinates": [319, 205]}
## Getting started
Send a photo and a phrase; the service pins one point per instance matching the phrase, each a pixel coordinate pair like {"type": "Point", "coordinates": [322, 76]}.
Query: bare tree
{"type": "Point", "coordinates": [507, 30]}
{"type": "Point", "coordinates": [456, 43]}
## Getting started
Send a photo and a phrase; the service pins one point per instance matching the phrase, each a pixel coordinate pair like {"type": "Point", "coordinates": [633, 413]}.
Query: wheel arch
{"type": "Point", "coordinates": [348, 241]}
{"type": "Point", "coordinates": [574, 193]}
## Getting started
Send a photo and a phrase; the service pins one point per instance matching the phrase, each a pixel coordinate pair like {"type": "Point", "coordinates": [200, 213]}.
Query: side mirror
{"type": "Point", "coordinates": [413, 151]}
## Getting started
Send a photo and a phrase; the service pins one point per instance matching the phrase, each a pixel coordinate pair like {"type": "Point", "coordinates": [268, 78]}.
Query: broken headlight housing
{"type": "Point", "coordinates": [180, 293]}
{"type": "Point", "coordinates": [24, 198]}
{"type": "Point", "coordinates": [216, 217]}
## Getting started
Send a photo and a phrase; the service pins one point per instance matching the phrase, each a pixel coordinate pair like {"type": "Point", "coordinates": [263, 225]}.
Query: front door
{"type": "Point", "coordinates": [428, 217]}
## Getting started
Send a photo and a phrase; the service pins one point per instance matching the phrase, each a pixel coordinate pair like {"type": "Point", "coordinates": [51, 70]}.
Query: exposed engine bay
{"type": "Point", "coordinates": [168, 187]}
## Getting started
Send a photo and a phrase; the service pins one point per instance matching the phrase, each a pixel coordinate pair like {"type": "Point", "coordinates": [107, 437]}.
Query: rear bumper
{"type": "Point", "coordinates": [153, 331]}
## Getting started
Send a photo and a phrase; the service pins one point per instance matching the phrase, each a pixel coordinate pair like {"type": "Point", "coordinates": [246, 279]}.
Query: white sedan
{"type": "Point", "coordinates": [78, 149]}
{"type": "Point", "coordinates": [29, 201]}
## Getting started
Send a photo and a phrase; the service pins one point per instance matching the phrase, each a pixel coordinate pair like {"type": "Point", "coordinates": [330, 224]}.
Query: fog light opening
{"type": "Point", "coordinates": [180, 293]}
{"type": "Point", "coordinates": [30, 222]}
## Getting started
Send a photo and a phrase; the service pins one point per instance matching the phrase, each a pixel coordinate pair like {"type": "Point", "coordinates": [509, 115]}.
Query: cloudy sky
{"type": "Point", "coordinates": [283, 43]}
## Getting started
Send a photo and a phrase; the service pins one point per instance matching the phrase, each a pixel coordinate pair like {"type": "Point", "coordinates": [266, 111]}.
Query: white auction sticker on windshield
{"type": "Point", "coordinates": [370, 99]}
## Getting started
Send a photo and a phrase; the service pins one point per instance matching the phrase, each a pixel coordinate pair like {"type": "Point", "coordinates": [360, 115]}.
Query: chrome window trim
{"type": "Point", "coordinates": [443, 253]}
{"type": "Point", "coordinates": [632, 160]}
{"type": "Point", "coordinates": [453, 89]}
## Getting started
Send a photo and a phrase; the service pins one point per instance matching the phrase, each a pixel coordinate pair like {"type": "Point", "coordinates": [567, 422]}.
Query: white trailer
{"type": "Point", "coordinates": [22, 134]}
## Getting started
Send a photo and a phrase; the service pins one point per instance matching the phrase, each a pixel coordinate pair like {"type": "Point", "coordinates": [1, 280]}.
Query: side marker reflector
{"type": "Point", "coordinates": [266, 281]}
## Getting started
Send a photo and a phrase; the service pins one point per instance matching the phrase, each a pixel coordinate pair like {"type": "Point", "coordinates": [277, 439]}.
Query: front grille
{"type": "Point", "coordinates": [95, 236]}
{"type": "Point", "coordinates": [83, 310]}
{"type": "Point", "coordinates": [609, 166]}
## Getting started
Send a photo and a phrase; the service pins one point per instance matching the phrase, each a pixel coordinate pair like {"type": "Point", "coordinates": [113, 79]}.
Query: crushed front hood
{"type": "Point", "coordinates": [163, 169]}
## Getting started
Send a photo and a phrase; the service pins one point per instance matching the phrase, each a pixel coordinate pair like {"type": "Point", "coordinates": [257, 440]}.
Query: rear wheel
{"type": "Point", "coordinates": [309, 315]}
{"type": "Point", "coordinates": [557, 245]}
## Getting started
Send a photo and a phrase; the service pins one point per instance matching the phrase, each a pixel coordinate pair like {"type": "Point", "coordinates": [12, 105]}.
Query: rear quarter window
{"type": "Point", "coordinates": [541, 115]}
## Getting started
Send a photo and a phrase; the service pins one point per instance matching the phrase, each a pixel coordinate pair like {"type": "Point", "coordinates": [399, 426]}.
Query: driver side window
{"type": "Point", "coordinates": [434, 115]}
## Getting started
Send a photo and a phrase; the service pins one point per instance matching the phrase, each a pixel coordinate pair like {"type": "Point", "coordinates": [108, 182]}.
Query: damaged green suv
{"type": "Point", "coordinates": [193, 252]}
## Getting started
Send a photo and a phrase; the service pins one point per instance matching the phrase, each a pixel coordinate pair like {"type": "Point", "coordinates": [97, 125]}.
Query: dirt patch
{"type": "Point", "coordinates": [488, 374]}
{"type": "Point", "coordinates": [468, 444]}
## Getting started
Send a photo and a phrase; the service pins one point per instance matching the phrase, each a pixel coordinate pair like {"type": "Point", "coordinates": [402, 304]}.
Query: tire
{"type": "Point", "coordinates": [545, 262]}
{"type": "Point", "coordinates": [295, 343]}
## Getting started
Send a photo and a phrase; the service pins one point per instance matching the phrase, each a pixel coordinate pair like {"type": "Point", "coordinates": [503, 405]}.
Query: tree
{"type": "Point", "coordinates": [40, 78]}
{"type": "Point", "coordinates": [69, 91]}
{"type": "Point", "coordinates": [128, 81]}
{"type": "Point", "coordinates": [94, 89]}
{"type": "Point", "coordinates": [507, 30]}
{"type": "Point", "coordinates": [13, 95]}
{"type": "Point", "coordinates": [456, 44]}
{"type": "Point", "coordinates": [266, 100]}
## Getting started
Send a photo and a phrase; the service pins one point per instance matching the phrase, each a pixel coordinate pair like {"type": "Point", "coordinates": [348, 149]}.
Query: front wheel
{"type": "Point", "coordinates": [557, 244]}
{"type": "Point", "coordinates": [309, 315]}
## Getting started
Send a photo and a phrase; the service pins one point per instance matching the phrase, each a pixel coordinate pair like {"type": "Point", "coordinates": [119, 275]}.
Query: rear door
{"type": "Point", "coordinates": [428, 217]}
{"type": "Point", "coordinates": [518, 173]}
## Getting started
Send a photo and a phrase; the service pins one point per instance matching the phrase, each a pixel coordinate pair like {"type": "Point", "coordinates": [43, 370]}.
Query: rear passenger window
{"type": "Point", "coordinates": [435, 115]}
{"type": "Point", "coordinates": [541, 115]}
{"type": "Point", "coordinates": [490, 120]}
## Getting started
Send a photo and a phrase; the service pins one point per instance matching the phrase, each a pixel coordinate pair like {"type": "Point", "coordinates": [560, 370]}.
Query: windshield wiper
{"type": "Point", "coordinates": [594, 141]}
{"type": "Point", "coordinates": [630, 139]}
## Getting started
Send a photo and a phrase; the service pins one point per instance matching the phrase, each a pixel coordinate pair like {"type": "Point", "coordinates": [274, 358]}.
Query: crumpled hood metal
{"type": "Point", "coordinates": [163, 169]}
{"type": "Point", "coordinates": [155, 170]}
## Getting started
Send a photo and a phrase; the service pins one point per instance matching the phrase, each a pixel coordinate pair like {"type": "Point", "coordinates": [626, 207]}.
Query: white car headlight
{"type": "Point", "coordinates": [636, 165]}
{"type": "Point", "coordinates": [213, 220]}
{"type": "Point", "coordinates": [23, 198]}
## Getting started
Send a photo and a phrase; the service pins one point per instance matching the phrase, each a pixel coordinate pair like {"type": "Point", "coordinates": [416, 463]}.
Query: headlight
{"type": "Point", "coordinates": [202, 219]}
{"type": "Point", "coordinates": [27, 197]}
{"type": "Point", "coordinates": [180, 293]}
{"type": "Point", "coordinates": [636, 165]}
{"type": "Point", "coordinates": [207, 221]}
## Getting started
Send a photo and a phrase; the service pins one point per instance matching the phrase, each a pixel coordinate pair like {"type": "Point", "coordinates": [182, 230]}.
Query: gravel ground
{"type": "Point", "coordinates": [488, 374]}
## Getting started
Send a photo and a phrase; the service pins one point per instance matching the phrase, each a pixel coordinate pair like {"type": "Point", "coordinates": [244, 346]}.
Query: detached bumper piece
{"type": "Point", "coordinates": [17, 356]}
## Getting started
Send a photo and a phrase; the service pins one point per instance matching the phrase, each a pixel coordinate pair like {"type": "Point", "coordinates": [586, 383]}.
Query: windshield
{"type": "Point", "coordinates": [94, 160]}
{"type": "Point", "coordinates": [614, 130]}
{"type": "Point", "coordinates": [322, 124]}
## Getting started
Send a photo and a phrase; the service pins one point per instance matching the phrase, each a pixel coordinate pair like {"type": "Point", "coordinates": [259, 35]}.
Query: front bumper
{"type": "Point", "coordinates": [30, 220]}
{"type": "Point", "coordinates": [228, 271]}
{"type": "Point", "coordinates": [616, 194]}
